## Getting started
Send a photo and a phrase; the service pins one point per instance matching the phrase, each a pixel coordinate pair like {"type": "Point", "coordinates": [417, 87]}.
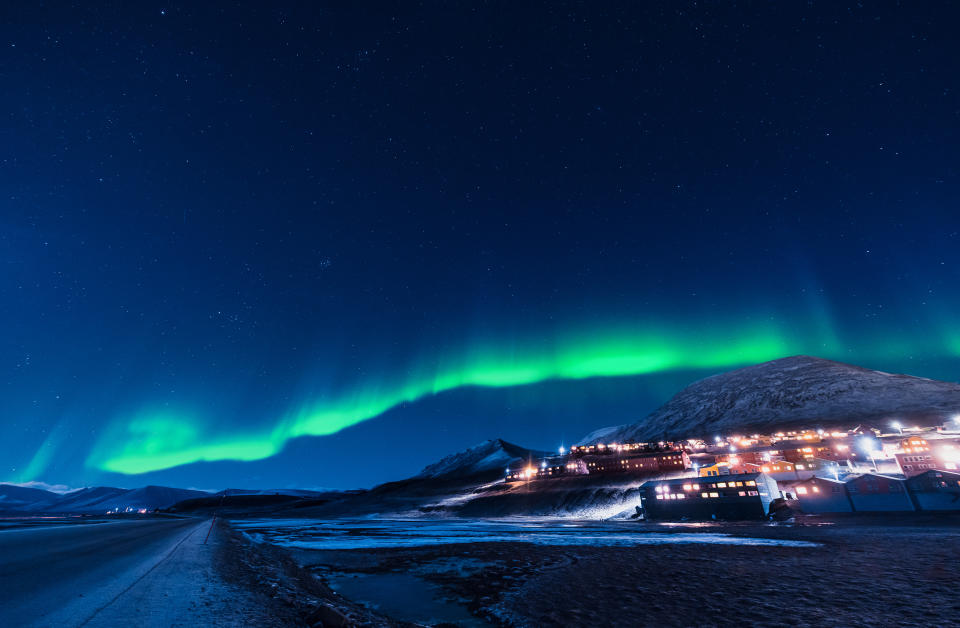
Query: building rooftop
{"type": "Point", "coordinates": [715, 478]}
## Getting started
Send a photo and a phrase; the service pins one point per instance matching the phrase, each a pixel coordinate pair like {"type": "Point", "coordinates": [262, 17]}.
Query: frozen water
{"type": "Point", "coordinates": [345, 534]}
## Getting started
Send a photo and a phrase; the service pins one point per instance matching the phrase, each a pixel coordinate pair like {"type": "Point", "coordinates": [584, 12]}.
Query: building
{"type": "Point", "coordinates": [935, 490]}
{"type": "Point", "coordinates": [912, 464]}
{"type": "Point", "coordinates": [872, 492]}
{"type": "Point", "coordinates": [746, 496]}
{"type": "Point", "coordinates": [637, 462]}
{"type": "Point", "coordinates": [555, 467]}
{"type": "Point", "coordinates": [718, 468]}
{"type": "Point", "coordinates": [918, 456]}
{"type": "Point", "coordinates": [822, 495]}
{"type": "Point", "coordinates": [609, 461]}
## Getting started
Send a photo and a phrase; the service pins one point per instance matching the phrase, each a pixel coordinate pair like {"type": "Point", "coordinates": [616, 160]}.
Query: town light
{"type": "Point", "coordinates": [897, 426]}
{"type": "Point", "coordinates": [950, 454]}
{"type": "Point", "coordinates": [562, 450]}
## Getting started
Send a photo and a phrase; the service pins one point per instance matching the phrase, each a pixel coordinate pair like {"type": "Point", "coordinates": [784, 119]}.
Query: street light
{"type": "Point", "coordinates": [873, 458]}
{"type": "Point", "coordinates": [869, 447]}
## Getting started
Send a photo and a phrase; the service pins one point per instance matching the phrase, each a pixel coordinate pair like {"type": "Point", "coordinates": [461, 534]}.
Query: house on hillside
{"type": "Point", "coordinates": [872, 492]}
{"type": "Point", "coordinates": [822, 495]}
{"type": "Point", "coordinates": [935, 490]}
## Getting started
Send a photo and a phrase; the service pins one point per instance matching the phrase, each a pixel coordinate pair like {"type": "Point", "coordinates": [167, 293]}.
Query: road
{"type": "Point", "coordinates": [154, 572]}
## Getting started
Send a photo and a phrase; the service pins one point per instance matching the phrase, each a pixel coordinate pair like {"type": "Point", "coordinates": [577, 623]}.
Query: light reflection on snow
{"type": "Point", "coordinates": [344, 534]}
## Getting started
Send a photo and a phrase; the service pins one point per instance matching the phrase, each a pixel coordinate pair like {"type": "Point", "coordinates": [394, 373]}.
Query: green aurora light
{"type": "Point", "coordinates": [154, 441]}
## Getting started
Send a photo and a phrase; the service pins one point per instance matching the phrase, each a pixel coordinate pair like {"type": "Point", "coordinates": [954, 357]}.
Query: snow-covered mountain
{"type": "Point", "coordinates": [91, 500]}
{"type": "Point", "coordinates": [487, 457]}
{"type": "Point", "coordinates": [86, 499]}
{"type": "Point", "coordinates": [151, 497]}
{"type": "Point", "coordinates": [17, 498]}
{"type": "Point", "coordinates": [294, 492]}
{"type": "Point", "coordinates": [791, 392]}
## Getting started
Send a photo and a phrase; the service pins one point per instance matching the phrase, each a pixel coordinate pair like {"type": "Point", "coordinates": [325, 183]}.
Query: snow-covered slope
{"type": "Point", "coordinates": [86, 499]}
{"type": "Point", "coordinates": [102, 499]}
{"type": "Point", "coordinates": [601, 435]}
{"type": "Point", "coordinates": [295, 492]}
{"type": "Point", "coordinates": [151, 497]}
{"type": "Point", "coordinates": [16, 498]}
{"type": "Point", "coordinates": [487, 457]}
{"type": "Point", "coordinates": [791, 392]}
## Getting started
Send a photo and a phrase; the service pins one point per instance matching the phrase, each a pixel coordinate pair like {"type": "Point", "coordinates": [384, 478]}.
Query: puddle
{"type": "Point", "coordinates": [402, 596]}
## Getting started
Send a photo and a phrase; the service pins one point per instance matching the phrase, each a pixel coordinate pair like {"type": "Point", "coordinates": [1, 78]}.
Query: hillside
{"type": "Point", "coordinates": [491, 457]}
{"type": "Point", "coordinates": [791, 392]}
{"type": "Point", "coordinates": [15, 498]}
{"type": "Point", "coordinates": [91, 500]}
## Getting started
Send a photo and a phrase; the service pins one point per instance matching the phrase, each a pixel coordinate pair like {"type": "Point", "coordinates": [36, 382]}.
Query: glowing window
{"type": "Point", "coordinates": [816, 489]}
{"type": "Point", "coordinates": [688, 487]}
{"type": "Point", "coordinates": [714, 494]}
{"type": "Point", "coordinates": [751, 483]}
{"type": "Point", "coordinates": [705, 495]}
{"type": "Point", "coordinates": [721, 485]}
{"type": "Point", "coordinates": [801, 490]}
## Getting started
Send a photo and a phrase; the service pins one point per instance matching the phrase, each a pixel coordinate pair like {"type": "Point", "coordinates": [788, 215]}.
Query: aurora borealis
{"type": "Point", "coordinates": [160, 441]}
{"type": "Point", "coordinates": [326, 245]}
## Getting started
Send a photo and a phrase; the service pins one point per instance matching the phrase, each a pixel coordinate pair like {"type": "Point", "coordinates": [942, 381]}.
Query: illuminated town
{"type": "Point", "coordinates": [810, 471]}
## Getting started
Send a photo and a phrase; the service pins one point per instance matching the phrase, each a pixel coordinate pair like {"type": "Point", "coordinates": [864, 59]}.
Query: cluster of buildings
{"type": "Point", "coordinates": [638, 459]}
{"type": "Point", "coordinates": [738, 477]}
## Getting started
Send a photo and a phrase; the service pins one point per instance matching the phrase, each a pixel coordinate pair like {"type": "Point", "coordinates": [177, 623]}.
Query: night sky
{"type": "Point", "coordinates": [274, 245]}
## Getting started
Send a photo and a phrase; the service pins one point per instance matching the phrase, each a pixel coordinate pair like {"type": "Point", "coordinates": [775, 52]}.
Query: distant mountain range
{"type": "Point", "coordinates": [798, 391]}
{"type": "Point", "coordinates": [18, 500]}
{"type": "Point", "coordinates": [92, 500]}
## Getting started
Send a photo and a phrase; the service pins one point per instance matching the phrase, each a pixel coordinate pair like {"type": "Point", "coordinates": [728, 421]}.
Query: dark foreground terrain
{"type": "Point", "coordinates": [885, 571]}
{"type": "Point", "coordinates": [130, 571]}
{"type": "Point", "coordinates": [160, 572]}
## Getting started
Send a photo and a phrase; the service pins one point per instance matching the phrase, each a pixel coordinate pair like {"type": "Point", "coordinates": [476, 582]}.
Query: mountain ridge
{"type": "Point", "coordinates": [790, 392]}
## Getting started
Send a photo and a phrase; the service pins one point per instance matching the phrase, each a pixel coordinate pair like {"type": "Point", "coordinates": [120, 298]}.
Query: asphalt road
{"type": "Point", "coordinates": [65, 575]}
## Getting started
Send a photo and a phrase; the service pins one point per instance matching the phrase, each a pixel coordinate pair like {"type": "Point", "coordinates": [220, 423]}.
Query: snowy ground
{"type": "Point", "coordinates": [144, 573]}
{"type": "Point", "coordinates": [345, 534]}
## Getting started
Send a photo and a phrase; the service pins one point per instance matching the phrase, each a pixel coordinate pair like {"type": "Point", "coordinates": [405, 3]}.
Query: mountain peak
{"type": "Point", "coordinates": [490, 456]}
{"type": "Point", "coordinates": [795, 391]}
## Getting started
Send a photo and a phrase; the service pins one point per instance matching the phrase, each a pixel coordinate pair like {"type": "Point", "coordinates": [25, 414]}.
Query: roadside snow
{"type": "Point", "coordinates": [179, 586]}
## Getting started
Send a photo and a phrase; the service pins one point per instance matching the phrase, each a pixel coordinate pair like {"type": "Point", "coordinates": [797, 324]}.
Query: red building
{"type": "Point", "coordinates": [637, 462]}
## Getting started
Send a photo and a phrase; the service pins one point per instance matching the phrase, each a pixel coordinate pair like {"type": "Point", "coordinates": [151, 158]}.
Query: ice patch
{"type": "Point", "coordinates": [354, 534]}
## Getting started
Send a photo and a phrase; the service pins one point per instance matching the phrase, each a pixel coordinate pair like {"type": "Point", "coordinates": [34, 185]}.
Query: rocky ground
{"type": "Point", "coordinates": [885, 571]}
{"type": "Point", "coordinates": [290, 594]}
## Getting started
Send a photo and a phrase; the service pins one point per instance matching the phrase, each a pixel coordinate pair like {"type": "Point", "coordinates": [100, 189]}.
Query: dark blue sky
{"type": "Point", "coordinates": [227, 231]}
